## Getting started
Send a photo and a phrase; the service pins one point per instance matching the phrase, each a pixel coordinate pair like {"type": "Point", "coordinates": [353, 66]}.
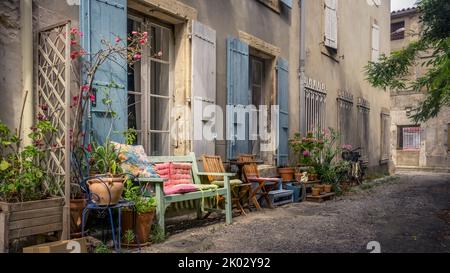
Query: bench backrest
{"type": "Point", "coordinates": [190, 158]}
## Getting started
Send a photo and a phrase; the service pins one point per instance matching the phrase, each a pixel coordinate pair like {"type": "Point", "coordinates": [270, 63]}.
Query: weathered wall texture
{"type": "Point", "coordinates": [434, 150]}
{"type": "Point", "coordinates": [45, 13]}
{"type": "Point", "coordinates": [345, 70]}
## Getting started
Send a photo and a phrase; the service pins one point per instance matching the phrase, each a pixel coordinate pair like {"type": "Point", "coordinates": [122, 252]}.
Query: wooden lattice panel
{"type": "Point", "coordinates": [53, 94]}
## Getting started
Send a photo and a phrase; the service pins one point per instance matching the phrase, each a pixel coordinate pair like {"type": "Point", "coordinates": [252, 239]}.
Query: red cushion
{"type": "Point", "coordinates": [178, 175]}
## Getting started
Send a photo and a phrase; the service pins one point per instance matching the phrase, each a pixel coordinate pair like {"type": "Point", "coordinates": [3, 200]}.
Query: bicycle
{"type": "Point", "coordinates": [358, 167]}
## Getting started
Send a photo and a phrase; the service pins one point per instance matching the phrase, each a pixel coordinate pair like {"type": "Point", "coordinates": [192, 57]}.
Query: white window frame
{"type": "Point", "coordinates": [331, 24]}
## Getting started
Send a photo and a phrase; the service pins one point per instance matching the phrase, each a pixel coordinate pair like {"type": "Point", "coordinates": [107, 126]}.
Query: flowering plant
{"type": "Point", "coordinates": [21, 175]}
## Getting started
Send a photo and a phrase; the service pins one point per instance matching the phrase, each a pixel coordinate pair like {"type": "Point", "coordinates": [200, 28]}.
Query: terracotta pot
{"type": "Point", "coordinates": [144, 222]}
{"type": "Point", "coordinates": [321, 187]}
{"type": "Point", "coordinates": [316, 191]}
{"type": "Point", "coordinates": [76, 211]}
{"type": "Point", "coordinates": [312, 177]}
{"type": "Point", "coordinates": [328, 188]}
{"type": "Point", "coordinates": [106, 190]}
{"type": "Point", "coordinates": [287, 174]}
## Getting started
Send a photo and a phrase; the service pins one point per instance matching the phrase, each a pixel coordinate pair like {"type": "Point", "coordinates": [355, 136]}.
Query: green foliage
{"type": "Point", "coordinates": [157, 236]}
{"type": "Point", "coordinates": [142, 203]}
{"type": "Point", "coordinates": [104, 159]}
{"type": "Point", "coordinates": [21, 175]}
{"type": "Point", "coordinates": [102, 248]}
{"type": "Point", "coordinates": [129, 236]}
{"type": "Point", "coordinates": [434, 41]}
{"type": "Point", "coordinates": [130, 136]}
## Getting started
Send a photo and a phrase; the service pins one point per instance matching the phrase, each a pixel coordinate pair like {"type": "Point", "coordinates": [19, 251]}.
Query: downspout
{"type": "Point", "coordinates": [26, 32]}
{"type": "Point", "coordinates": [301, 69]}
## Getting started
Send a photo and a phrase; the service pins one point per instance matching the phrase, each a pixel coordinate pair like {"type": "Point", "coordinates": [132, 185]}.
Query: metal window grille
{"type": "Point", "coordinates": [411, 138]}
{"type": "Point", "coordinates": [345, 113]}
{"type": "Point", "coordinates": [364, 127]}
{"type": "Point", "coordinates": [385, 136]}
{"type": "Point", "coordinates": [315, 105]}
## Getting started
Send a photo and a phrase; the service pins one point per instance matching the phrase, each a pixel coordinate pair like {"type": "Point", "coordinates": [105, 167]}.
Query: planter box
{"type": "Point", "coordinates": [18, 220]}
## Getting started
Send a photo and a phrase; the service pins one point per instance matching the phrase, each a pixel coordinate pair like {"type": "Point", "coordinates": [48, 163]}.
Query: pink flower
{"type": "Point", "coordinates": [134, 32]}
{"type": "Point", "coordinates": [74, 55]}
{"type": "Point", "coordinates": [92, 97]}
{"type": "Point", "coordinates": [306, 153]}
{"type": "Point", "coordinates": [73, 30]}
{"type": "Point", "coordinates": [73, 42]}
{"type": "Point", "coordinates": [81, 34]}
{"type": "Point", "coordinates": [142, 41]}
{"type": "Point", "coordinates": [118, 39]}
{"type": "Point", "coordinates": [159, 54]}
{"type": "Point", "coordinates": [89, 148]}
{"type": "Point", "coordinates": [85, 88]}
{"type": "Point", "coordinates": [137, 56]}
{"type": "Point", "coordinates": [145, 34]}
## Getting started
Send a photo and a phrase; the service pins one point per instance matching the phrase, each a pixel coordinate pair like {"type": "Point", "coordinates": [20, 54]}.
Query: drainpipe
{"type": "Point", "coordinates": [26, 32]}
{"type": "Point", "coordinates": [301, 70]}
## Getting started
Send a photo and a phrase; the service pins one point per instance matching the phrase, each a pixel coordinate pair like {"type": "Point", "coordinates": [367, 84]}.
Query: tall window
{"type": "Point", "coordinates": [385, 136]}
{"type": "Point", "coordinates": [398, 30]}
{"type": "Point", "coordinates": [257, 78]}
{"type": "Point", "coordinates": [375, 41]}
{"type": "Point", "coordinates": [345, 117]}
{"type": "Point", "coordinates": [409, 138]}
{"type": "Point", "coordinates": [364, 127]}
{"type": "Point", "coordinates": [149, 88]}
{"type": "Point", "coordinates": [315, 104]}
{"type": "Point", "coordinates": [331, 24]}
{"type": "Point", "coordinates": [448, 139]}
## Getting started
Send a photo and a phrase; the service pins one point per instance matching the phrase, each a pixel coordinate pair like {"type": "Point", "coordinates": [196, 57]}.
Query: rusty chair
{"type": "Point", "coordinates": [214, 164]}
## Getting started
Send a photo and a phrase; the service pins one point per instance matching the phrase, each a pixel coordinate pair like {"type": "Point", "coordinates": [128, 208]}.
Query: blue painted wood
{"type": "Point", "coordinates": [288, 3]}
{"type": "Point", "coordinates": [105, 20]}
{"type": "Point", "coordinates": [237, 92]}
{"type": "Point", "coordinates": [283, 102]}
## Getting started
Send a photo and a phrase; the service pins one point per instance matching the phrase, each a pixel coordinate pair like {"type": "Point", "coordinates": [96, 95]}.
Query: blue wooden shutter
{"type": "Point", "coordinates": [107, 19]}
{"type": "Point", "coordinates": [237, 86]}
{"type": "Point", "coordinates": [283, 102]}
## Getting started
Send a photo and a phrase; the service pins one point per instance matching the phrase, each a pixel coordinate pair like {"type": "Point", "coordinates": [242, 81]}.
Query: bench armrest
{"type": "Point", "coordinates": [216, 174]}
{"type": "Point", "coordinates": [151, 180]}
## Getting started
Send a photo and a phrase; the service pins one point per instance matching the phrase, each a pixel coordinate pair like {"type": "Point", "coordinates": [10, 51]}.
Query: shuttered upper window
{"type": "Point", "coordinates": [331, 26]}
{"type": "Point", "coordinates": [375, 42]}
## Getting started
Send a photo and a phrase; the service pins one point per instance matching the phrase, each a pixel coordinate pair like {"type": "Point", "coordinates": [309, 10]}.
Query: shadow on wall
{"type": "Point", "coordinates": [10, 70]}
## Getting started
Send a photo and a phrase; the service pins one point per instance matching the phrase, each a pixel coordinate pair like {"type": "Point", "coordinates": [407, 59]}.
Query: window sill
{"type": "Point", "coordinates": [325, 52]}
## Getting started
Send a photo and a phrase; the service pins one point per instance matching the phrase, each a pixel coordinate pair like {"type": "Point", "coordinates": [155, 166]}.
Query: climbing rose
{"type": "Point", "coordinates": [137, 56]}
{"type": "Point", "coordinates": [134, 32]}
{"type": "Point", "coordinates": [89, 148]}
{"type": "Point", "coordinates": [92, 97]}
{"type": "Point", "coordinates": [85, 88]}
{"type": "Point", "coordinates": [306, 153]}
{"type": "Point", "coordinates": [142, 41]}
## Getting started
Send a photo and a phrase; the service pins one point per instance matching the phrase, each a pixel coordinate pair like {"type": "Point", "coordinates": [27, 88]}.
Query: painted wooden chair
{"type": "Point", "coordinates": [263, 184]}
{"type": "Point", "coordinates": [239, 190]}
{"type": "Point", "coordinates": [164, 201]}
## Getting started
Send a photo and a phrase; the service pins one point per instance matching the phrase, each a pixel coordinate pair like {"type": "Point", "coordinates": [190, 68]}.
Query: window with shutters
{"type": "Point", "coordinates": [364, 127]}
{"type": "Point", "coordinates": [149, 90]}
{"type": "Point", "coordinates": [385, 136]}
{"type": "Point", "coordinates": [345, 117]}
{"type": "Point", "coordinates": [409, 138]}
{"type": "Point", "coordinates": [331, 24]}
{"type": "Point", "coordinates": [315, 105]}
{"type": "Point", "coordinates": [256, 89]}
{"type": "Point", "coordinates": [375, 41]}
{"type": "Point", "coordinates": [398, 31]}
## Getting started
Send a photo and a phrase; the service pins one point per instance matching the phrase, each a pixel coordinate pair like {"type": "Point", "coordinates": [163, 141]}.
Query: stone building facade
{"type": "Point", "coordinates": [424, 145]}
{"type": "Point", "coordinates": [230, 52]}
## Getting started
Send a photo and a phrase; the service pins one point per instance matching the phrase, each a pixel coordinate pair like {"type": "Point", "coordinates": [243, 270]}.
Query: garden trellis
{"type": "Point", "coordinates": [53, 95]}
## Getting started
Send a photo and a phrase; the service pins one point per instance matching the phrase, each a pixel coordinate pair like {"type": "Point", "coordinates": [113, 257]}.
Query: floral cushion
{"type": "Point", "coordinates": [135, 161]}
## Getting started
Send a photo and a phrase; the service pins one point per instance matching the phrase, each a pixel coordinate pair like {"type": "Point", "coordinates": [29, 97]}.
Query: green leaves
{"type": "Point", "coordinates": [4, 165]}
{"type": "Point", "coordinates": [394, 71]}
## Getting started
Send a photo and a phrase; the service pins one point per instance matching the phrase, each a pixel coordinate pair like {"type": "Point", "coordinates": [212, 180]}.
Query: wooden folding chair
{"type": "Point", "coordinates": [214, 164]}
{"type": "Point", "coordinates": [264, 185]}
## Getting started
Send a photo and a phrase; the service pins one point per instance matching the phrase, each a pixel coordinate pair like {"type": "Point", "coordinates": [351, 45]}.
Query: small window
{"type": "Point", "coordinates": [448, 139]}
{"type": "Point", "coordinates": [398, 31]}
{"type": "Point", "coordinates": [409, 138]}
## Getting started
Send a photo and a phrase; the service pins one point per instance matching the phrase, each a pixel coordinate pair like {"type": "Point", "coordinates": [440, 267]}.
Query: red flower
{"type": "Point", "coordinates": [85, 88]}
{"type": "Point", "coordinates": [73, 42]}
{"type": "Point", "coordinates": [73, 30]}
{"type": "Point", "coordinates": [89, 148]}
{"type": "Point", "coordinates": [92, 97]}
{"type": "Point", "coordinates": [137, 56]}
{"type": "Point", "coordinates": [142, 41]}
{"type": "Point", "coordinates": [74, 55]}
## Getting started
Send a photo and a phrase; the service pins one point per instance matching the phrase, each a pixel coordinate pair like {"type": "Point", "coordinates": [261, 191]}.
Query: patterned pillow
{"type": "Point", "coordinates": [135, 161]}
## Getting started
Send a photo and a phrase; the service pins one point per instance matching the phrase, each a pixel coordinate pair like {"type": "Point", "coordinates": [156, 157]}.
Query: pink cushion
{"type": "Point", "coordinates": [178, 175]}
{"type": "Point", "coordinates": [179, 189]}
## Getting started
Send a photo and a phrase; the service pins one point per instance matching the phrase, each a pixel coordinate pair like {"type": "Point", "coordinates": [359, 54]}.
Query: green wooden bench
{"type": "Point", "coordinates": [164, 201]}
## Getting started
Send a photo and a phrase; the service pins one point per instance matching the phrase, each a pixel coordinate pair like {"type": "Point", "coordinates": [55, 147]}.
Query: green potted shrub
{"type": "Point", "coordinates": [106, 185]}
{"type": "Point", "coordinates": [142, 216]}
{"type": "Point", "coordinates": [24, 185]}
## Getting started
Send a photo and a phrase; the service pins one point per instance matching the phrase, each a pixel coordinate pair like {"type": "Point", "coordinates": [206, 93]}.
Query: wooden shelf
{"type": "Point", "coordinates": [320, 198]}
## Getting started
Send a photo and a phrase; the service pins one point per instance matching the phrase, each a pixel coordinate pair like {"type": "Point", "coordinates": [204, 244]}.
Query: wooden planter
{"type": "Point", "coordinates": [18, 220]}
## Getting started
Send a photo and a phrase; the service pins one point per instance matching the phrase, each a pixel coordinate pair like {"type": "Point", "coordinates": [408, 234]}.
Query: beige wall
{"type": "Point", "coordinates": [345, 70]}
{"type": "Point", "coordinates": [45, 13]}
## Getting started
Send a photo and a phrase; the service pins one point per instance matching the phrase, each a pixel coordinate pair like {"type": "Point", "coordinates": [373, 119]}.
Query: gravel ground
{"type": "Point", "coordinates": [410, 213]}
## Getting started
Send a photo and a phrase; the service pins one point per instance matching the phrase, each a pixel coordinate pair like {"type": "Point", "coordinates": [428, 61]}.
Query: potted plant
{"type": "Point", "coordinates": [77, 204]}
{"type": "Point", "coordinates": [139, 220]}
{"type": "Point", "coordinates": [24, 191]}
{"type": "Point", "coordinates": [286, 173]}
{"type": "Point", "coordinates": [106, 184]}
